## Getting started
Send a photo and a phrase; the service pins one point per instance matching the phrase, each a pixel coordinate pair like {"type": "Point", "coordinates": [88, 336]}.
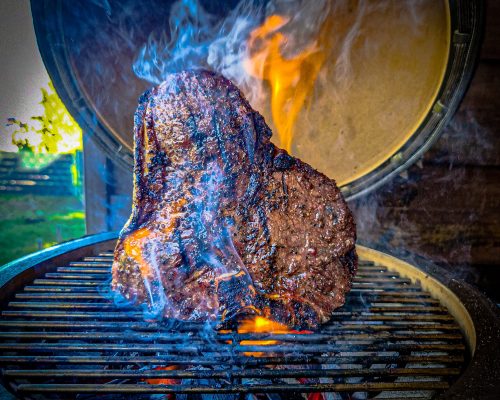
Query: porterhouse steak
{"type": "Point", "coordinates": [224, 223]}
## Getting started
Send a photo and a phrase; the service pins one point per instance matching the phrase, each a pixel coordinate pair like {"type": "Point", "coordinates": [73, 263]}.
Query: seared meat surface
{"type": "Point", "coordinates": [223, 222]}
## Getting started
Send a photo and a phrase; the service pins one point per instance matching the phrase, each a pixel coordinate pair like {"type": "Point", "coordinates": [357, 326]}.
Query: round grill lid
{"type": "Point", "coordinates": [407, 75]}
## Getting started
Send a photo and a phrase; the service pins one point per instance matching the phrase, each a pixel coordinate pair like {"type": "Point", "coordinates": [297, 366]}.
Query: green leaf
{"type": "Point", "coordinates": [58, 131]}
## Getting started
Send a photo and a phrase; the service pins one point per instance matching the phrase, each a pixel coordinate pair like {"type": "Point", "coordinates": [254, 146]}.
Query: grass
{"type": "Point", "coordinates": [30, 223]}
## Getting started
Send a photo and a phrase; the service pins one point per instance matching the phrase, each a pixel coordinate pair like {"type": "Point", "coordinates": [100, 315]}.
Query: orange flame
{"type": "Point", "coordinates": [291, 79]}
{"type": "Point", "coordinates": [133, 248]}
{"type": "Point", "coordinates": [260, 324]}
{"type": "Point", "coordinates": [134, 243]}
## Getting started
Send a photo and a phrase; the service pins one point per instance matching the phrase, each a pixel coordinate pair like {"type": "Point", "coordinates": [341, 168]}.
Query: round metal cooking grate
{"type": "Point", "coordinates": [62, 337]}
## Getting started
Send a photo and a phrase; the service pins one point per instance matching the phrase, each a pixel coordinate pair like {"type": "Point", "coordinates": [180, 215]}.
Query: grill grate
{"type": "Point", "coordinates": [62, 336]}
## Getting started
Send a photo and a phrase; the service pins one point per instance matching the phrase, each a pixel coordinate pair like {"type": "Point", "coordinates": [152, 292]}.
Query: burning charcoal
{"type": "Point", "coordinates": [205, 382]}
{"type": "Point", "coordinates": [223, 222]}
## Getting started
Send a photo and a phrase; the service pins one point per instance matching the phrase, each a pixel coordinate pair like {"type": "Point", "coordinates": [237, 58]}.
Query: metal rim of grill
{"type": "Point", "coordinates": [402, 333]}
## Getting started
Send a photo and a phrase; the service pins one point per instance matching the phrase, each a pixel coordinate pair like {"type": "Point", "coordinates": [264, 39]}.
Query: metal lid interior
{"type": "Point", "coordinates": [89, 54]}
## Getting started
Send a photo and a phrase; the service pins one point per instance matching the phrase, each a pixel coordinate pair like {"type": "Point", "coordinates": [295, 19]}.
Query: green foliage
{"type": "Point", "coordinates": [55, 131]}
{"type": "Point", "coordinates": [31, 222]}
{"type": "Point", "coordinates": [21, 135]}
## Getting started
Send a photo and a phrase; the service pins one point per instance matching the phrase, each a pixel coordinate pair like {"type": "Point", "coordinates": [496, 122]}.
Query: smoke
{"type": "Point", "coordinates": [439, 208]}
{"type": "Point", "coordinates": [343, 61]}
{"type": "Point", "coordinates": [215, 233]}
{"type": "Point", "coordinates": [104, 5]}
{"type": "Point", "coordinates": [196, 39]}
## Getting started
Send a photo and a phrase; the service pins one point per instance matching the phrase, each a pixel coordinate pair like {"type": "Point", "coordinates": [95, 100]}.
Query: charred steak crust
{"type": "Point", "coordinates": [223, 222]}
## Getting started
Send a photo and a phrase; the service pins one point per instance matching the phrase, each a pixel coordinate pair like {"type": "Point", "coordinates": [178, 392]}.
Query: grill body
{"type": "Point", "coordinates": [401, 333]}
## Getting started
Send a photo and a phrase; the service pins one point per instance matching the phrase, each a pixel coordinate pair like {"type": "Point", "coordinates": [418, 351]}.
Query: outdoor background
{"type": "Point", "coordinates": [41, 197]}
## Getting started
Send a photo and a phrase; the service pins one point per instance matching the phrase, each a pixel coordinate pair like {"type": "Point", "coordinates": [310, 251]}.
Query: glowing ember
{"type": "Point", "coordinates": [291, 79]}
{"type": "Point", "coordinates": [260, 324]}
{"type": "Point", "coordinates": [164, 381]}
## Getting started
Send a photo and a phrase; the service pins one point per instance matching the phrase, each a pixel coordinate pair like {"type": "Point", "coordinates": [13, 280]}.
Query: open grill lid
{"type": "Point", "coordinates": [89, 50]}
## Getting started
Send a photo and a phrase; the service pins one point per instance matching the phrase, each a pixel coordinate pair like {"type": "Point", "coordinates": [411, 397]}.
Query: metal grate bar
{"type": "Point", "coordinates": [344, 326]}
{"type": "Point", "coordinates": [363, 272]}
{"type": "Point", "coordinates": [360, 292]}
{"type": "Point", "coordinates": [387, 284]}
{"type": "Point", "coordinates": [247, 388]}
{"type": "Point", "coordinates": [110, 305]}
{"type": "Point", "coordinates": [99, 277]}
{"type": "Point", "coordinates": [105, 315]}
{"type": "Point", "coordinates": [204, 374]}
{"type": "Point", "coordinates": [219, 348]}
{"type": "Point", "coordinates": [312, 338]}
{"type": "Point", "coordinates": [358, 359]}
{"type": "Point", "coordinates": [85, 270]}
